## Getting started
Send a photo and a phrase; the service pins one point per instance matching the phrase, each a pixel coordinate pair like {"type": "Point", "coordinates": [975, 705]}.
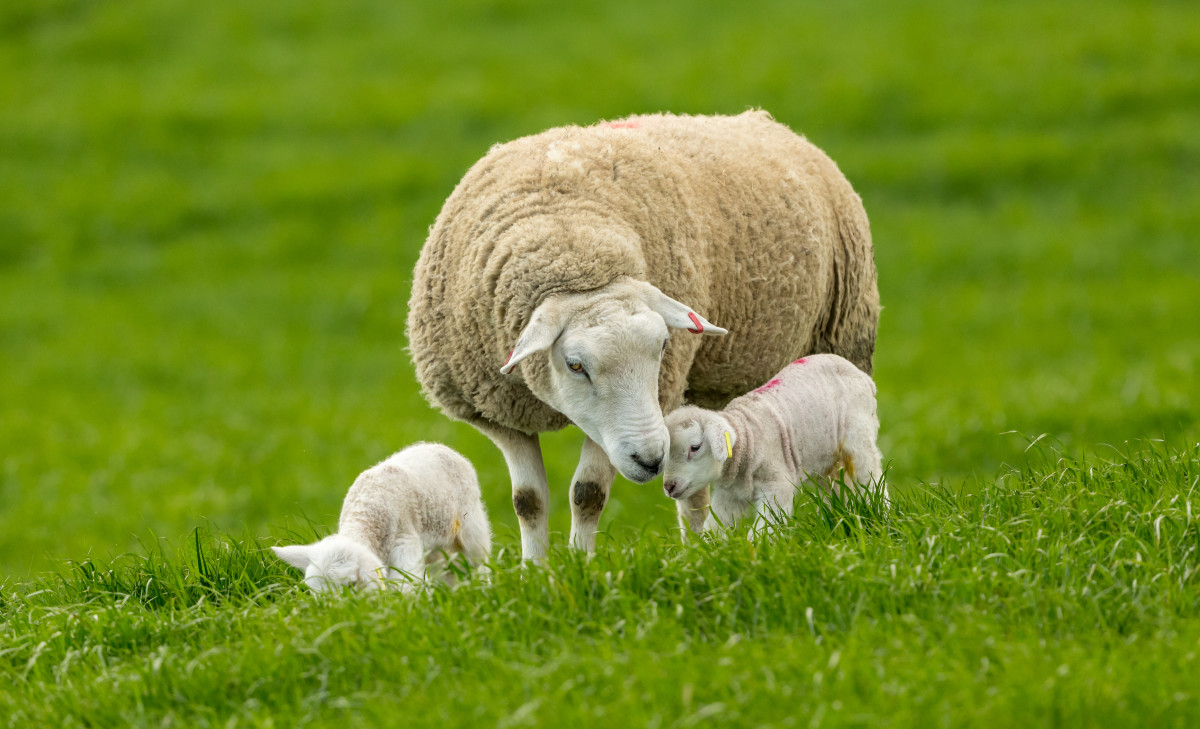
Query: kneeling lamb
{"type": "Point", "coordinates": [814, 418]}
{"type": "Point", "coordinates": [397, 516]}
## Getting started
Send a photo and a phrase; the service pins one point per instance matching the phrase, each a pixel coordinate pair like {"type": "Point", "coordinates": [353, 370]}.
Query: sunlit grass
{"type": "Point", "coordinates": [1077, 572]}
{"type": "Point", "coordinates": [208, 220]}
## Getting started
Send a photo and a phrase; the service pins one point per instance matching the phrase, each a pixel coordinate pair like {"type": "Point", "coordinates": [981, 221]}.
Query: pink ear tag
{"type": "Point", "coordinates": [509, 358]}
{"type": "Point", "coordinates": [695, 320]}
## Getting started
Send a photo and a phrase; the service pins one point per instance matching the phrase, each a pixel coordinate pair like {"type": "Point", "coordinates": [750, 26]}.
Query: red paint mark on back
{"type": "Point", "coordinates": [799, 361]}
{"type": "Point", "coordinates": [695, 320]}
{"type": "Point", "coordinates": [623, 125]}
{"type": "Point", "coordinates": [773, 383]}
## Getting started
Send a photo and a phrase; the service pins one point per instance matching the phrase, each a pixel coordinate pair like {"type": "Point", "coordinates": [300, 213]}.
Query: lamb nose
{"type": "Point", "coordinates": [670, 488]}
{"type": "Point", "coordinates": [652, 466]}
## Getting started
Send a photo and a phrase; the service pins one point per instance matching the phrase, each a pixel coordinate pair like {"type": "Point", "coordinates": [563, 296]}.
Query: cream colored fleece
{"type": "Point", "coordinates": [738, 217]}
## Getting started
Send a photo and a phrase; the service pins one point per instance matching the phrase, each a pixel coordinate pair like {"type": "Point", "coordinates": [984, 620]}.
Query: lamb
{"type": "Point", "coordinates": [399, 515]}
{"type": "Point", "coordinates": [813, 419]}
{"type": "Point", "coordinates": [571, 275]}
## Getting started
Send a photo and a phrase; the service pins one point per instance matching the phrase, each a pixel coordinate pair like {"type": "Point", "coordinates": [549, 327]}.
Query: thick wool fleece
{"type": "Point", "coordinates": [815, 417]}
{"type": "Point", "coordinates": [426, 495]}
{"type": "Point", "coordinates": [738, 217]}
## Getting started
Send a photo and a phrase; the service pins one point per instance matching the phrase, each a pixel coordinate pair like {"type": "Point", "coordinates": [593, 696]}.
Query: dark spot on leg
{"type": "Point", "coordinates": [527, 505]}
{"type": "Point", "coordinates": [589, 499]}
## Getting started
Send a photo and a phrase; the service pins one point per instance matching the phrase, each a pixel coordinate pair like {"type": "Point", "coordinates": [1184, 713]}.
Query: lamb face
{"type": "Point", "coordinates": [334, 562]}
{"type": "Point", "coordinates": [701, 441]}
{"type": "Point", "coordinates": [604, 351]}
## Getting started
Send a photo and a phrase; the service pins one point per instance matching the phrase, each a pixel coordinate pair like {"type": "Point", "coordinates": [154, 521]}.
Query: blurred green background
{"type": "Point", "coordinates": [209, 214]}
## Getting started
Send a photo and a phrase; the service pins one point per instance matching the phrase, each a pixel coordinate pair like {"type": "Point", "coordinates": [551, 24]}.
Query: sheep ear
{"type": "Point", "coordinates": [543, 329]}
{"type": "Point", "coordinates": [677, 315]}
{"type": "Point", "coordinates": [297, 555]}
{"type": "Point", "coordinates": [721, 440]}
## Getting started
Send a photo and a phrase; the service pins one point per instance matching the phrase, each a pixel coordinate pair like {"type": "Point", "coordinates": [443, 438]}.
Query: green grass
{"type": "Point", "coordinates": [208, 220]}
{"type": "Point", "coordinates": [1064, 592]}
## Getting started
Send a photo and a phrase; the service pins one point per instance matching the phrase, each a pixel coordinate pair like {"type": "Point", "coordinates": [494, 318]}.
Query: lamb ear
{"type": "Point", "coordinates": [543, 329]}
{"type": "Point", "coordinates": [717, 433]}
{"type": "Point", "coordinates": [297, 555]}
{"type": "Point", "coordinates": [677, 315]}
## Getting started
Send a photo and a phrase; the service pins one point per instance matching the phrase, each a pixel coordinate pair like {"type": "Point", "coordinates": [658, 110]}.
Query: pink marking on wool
{"type": "Point", "coordinates": [510, 353]}
{"type": "Point", "coordinates": [623, 125]}
{"type": "Point", "coordinates": [773, 383]}
{"type": "Point", "coordinates": [799, 361]}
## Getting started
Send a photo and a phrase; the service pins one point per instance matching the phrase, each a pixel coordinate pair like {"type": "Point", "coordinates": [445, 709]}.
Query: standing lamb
{"type": "Point", "coordinates": [580, 253]}
{"type": "Point", "coordinates": [398, 516]}
{"type": "Point", "coordinates": [813, 419]}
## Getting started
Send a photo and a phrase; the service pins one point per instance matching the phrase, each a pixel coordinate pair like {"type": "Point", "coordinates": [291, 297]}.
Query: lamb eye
{"type": "Point", "coordinates": [696, 447]}
{"type": "Point", "coordinates": [576, 367]}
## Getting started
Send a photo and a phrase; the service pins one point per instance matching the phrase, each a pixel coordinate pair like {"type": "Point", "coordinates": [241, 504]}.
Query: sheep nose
{"type": "Point", "coordinates": [653, 466]}
{"type": "Point", "coordinates": [670, 487]}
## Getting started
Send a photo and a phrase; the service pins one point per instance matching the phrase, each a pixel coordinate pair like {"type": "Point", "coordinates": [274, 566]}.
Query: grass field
{"type": "Point", "coordinates": [208, 220]}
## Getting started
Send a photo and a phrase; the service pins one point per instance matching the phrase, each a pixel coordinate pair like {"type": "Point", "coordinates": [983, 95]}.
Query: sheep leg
{"type": "Point", "coordinates": [773, 505]}
{"type": "Point", "coordinates": [693, 512]}
{"type": "Point", "coordinates": [860, 446]}
{"type": "Point", "coordinates": [438, 564]}
{"type": "Point", "coordinates": [407, 563]}
{"type": "Point", "coordinates": [475, 541]}
{"type": "Point", "coordinates": [589, 493]}
{"type": "Point", "coordinates": [530, 489]}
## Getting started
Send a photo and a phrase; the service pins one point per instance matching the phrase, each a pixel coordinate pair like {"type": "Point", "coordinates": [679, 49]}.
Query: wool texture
{"type": "Point", "coordinates": [737, 217]}
{"type": "Point", "coordinates": [426, 494]}
{"type": "Point", "coordinates": [816, 418]}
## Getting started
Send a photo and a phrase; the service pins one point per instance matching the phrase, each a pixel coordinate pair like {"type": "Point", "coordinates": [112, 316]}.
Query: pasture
{"type": "Point", "coordinates": [209, 216]}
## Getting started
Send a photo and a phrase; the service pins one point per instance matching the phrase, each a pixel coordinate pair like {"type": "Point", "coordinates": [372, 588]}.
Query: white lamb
{"type": "Point", "coordinates": [814, 418]}
{"type": "Point", "coordinates": [398, 516]}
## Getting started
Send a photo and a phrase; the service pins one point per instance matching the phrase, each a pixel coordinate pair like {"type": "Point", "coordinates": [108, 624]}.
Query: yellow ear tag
{"type": "Point", "coordinates": [728, 445]}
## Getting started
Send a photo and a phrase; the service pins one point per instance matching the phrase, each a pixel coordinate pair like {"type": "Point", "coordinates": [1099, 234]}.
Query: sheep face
{"type": "Point", "coordinates": [605, 349]}
{"type": "Point", "coordinates": [334, 562]}
{"type": "Point", "coordinates": [701, 441]}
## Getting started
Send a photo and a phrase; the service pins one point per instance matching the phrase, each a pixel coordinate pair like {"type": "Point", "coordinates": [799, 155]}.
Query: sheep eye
{"type": "Point", "coordinates": [576, 367]}
{"type": "Point", "coordinates": [696, 447]}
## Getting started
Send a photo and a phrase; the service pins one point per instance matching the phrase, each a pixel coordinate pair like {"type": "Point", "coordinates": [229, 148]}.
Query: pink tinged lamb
{"type": "Point", "coordinates": [814, 421]}
{"type": "Point", "coordinates": [399, 516]}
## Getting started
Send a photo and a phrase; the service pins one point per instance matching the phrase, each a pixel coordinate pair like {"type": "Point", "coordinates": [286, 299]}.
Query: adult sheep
{"type": "Point", "coordinates": [576, 251]}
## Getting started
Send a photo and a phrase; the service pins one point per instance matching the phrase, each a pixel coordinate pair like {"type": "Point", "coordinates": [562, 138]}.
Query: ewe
{"type": "Point", "coordinates": [398, 516]}
{"type": "Point", "coordinates": [813, 419]}
{"type": "Point", "coordinates": [587, 254]}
